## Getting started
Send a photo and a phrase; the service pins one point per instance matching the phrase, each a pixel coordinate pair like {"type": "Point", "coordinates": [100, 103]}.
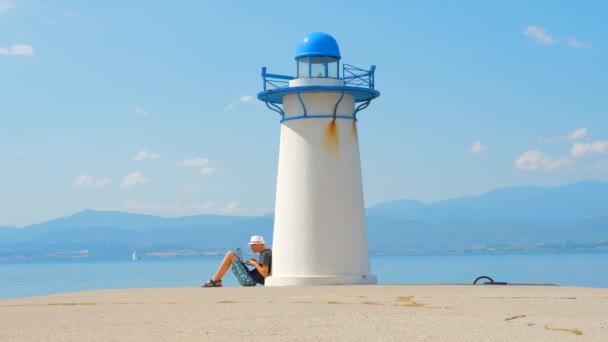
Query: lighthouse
{"type": "Point", "coordinates": [319, 229]}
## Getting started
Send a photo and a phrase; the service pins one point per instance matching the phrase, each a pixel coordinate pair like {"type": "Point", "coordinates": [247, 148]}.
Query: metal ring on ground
{"type": "Point", "coordinates": [483, 277]}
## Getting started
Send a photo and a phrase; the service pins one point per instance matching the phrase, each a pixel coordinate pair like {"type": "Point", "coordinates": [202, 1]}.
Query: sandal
{"type": "Point", "coordinates": [211, 283]}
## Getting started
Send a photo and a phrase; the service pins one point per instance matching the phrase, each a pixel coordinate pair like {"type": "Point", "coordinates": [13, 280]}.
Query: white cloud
{"type": "Point", "coordinates": [17, 50]}
{"type": "Point", "coordinates": [539, 34]}
{"type": "Point", "coordinates": [202, 164]}
{"type": "Point", "coordinates": [195, 208]}
{"type": "Point", "coordinates": [244, 98]}
{"type": "Point", "coordinates": [143, 155]}
{"type": "Point", "coordinates": [535, 160]}
{"type": "Point", "coordinates": [602, 165]}
{"type": "Point", "coordinates": [6, 5]}
{"type": "Point", "coordinates": [87, 181]}
{"type": "Point", "coordinates": [141, 111]}
{"type": "Point", "coordinates": [596, 147]}
{"type": "Point", "coordinates": [231, 208]}
{"type": "Point", "coordinates": [578, 44]}
{"type": "Point", "coordinates": [229, 107]}
{"type": "Point", "coordinates": [478, 147]}
{"type": "Point", "coordinates": [577, 134]}
{"type": "Point", "coordinates": [211, 207]}
{"type": "Point", "coordinates": [134, 178]}
{"type": "Point", "coordinates": [22, 50]}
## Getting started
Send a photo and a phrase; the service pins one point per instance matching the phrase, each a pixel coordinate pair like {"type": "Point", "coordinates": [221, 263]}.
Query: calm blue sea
{"type": "Point", "coordinates": [41, 278]}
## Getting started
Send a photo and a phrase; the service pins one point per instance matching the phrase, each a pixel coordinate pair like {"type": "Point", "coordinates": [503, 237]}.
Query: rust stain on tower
{"type": "Point", "coordinates": [331, 137]}
{"type": "Point", "coordinates": [353, 130]}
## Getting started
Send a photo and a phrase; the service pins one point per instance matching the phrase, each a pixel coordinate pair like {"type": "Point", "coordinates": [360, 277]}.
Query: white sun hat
{"type": "Point", "coordinates": [256, 239]}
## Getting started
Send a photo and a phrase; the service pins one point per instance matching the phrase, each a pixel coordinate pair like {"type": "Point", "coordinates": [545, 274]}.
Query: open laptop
{"type": "Point", "coordinates": [239, 256]}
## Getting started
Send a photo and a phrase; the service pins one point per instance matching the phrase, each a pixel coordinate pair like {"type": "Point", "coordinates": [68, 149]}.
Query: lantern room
{"type": "Point", "coordinates": [318, 56]}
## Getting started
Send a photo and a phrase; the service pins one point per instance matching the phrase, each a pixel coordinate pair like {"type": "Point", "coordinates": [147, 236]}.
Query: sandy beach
{"type": "Point", "coordinates": [327, 313]}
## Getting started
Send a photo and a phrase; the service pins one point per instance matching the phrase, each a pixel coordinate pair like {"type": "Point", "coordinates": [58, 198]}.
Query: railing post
{"type": "Point", "coordinates": [264, 76]}
{"type": "Point", "coordinates": [372, 73]}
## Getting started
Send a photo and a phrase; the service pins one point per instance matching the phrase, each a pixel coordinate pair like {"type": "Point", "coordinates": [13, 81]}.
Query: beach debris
{"type": "Point", "coordinates": [408, 301]}
{"type": "Point", "coordinates": [574, 331]}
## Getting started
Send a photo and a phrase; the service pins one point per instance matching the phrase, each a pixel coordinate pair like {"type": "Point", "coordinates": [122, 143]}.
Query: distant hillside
{"type": "Point", "coordinates": [403, 235]}
{"type": "Point", "coordinates": [523, 219]}
{"type": "Point", "coordinates": [139, 222]}
{"type": "Point", "coordinates": [107, 234]}
{"type": "Point", "coordinates": [581, 200]}
{"type": "Point", "coordinates": [8, 233]}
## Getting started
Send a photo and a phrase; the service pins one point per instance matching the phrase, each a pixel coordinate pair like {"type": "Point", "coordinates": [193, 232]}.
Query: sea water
{"type": "Point", "coordinates": [25, 279]}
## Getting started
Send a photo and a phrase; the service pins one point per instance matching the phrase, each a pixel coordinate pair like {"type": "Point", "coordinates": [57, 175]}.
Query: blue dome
{"type": "Point", "coordinates": [318, 44]}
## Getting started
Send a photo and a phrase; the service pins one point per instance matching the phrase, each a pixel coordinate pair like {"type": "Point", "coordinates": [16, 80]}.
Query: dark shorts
{"type": "Point", "coordinates": [242, 274]}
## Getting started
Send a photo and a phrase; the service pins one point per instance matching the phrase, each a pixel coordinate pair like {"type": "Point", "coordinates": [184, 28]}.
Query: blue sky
{"type": "Point", "coordinates": [149, 106]}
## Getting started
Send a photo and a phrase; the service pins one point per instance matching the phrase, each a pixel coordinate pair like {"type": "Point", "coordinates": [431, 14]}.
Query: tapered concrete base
{"type": "Point", "coordinates": [321, 280]}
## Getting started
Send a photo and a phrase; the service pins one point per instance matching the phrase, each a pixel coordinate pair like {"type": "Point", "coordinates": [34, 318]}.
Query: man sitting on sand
{"type": "Point", "coordinates": [245, 276]}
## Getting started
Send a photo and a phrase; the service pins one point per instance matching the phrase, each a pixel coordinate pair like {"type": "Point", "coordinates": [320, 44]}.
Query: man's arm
{"type": "Point", "coordinates": [262, 269]}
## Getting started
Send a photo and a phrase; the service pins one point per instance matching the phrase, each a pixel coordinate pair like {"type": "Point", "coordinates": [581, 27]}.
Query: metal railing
{"type": "Point", "coordinates": [357, 77]}
{"type": "Point", "coordinates": [352, 76]}
{"type": "Point", "coordinates": [273, 81]}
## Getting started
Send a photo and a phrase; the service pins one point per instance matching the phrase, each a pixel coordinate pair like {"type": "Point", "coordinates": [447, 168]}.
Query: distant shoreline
{"type": "Point", "coordinates": [169, 256]}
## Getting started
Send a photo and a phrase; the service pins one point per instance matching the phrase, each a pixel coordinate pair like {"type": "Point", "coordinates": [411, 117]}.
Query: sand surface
{"type": "Point", "coordinates": [327, 313]}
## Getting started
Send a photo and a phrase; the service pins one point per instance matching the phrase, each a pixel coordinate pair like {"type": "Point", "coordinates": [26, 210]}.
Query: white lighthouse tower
{"type": "Point", "coordinates": [319, 229]}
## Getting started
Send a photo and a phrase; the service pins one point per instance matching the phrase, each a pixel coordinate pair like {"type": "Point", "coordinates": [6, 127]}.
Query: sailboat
{"type": "Point", "coordinates": [134, 255]}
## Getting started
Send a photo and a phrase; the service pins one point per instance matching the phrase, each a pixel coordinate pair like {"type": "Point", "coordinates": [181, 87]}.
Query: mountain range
{"type": "Point", "coordinates": [572, 217]}
{"type": "Point", "coordinates": [583, 200]}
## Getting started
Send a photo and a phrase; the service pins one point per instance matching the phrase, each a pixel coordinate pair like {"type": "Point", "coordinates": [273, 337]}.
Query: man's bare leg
{"type": "Point", "coordinates": [229, 258]}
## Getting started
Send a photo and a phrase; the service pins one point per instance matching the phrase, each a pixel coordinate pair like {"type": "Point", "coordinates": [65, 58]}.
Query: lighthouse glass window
{"type": "Point", "coordinates": [303, 67]}
{"type": "Point", "coordinates": [318, 66]}
{"type": "Point", "coordinates": [332, 67]}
